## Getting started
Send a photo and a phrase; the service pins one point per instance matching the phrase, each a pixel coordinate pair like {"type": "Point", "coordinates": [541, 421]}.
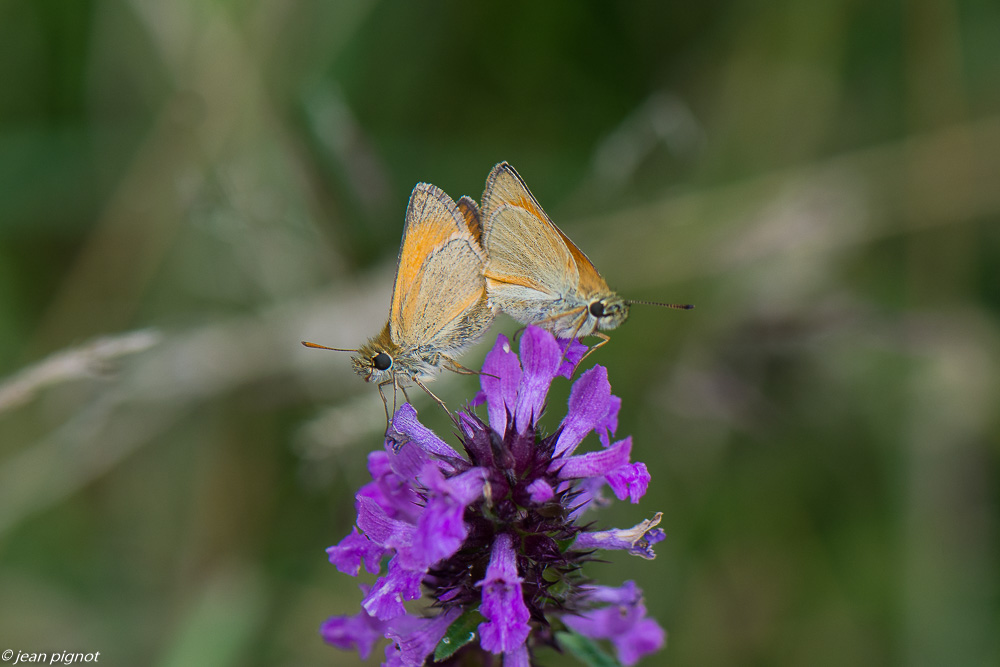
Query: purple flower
{"type": "Point", "coordinates": [385, 600]}
{"type": "Point", "coordinates": [361, 630]}
{"type": "Point", "coordinates": [540, 359]}
{"type": "Point", "coordinates": [353, 550]}
{"type": "Point", "coordinates": [623, 620]}
{"type": "Point", "coordinates": [416, 638]}
{"type": "Point", "coordinates": [489, 536]}
{"type": "Point", "coordinates": [441, 529]}
{"type": "Point", "coordinates": [631, 633]}
{"type": "Point", "coordinates": [506, 625]}
{"type": "Point", "coordinates": [638, 540]}
{"type": "Point", "coordinates": [589, 403]}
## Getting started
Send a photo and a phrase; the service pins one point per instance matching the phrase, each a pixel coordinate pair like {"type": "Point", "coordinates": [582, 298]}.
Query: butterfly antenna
{"type": "Point", "coordinates": [675, 306]}
{"type": "Point", "coordinates": [324, 347]}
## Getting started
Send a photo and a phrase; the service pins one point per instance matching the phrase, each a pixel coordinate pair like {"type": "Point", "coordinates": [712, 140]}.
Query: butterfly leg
{"type": "Point", "coordinates": [568, 313]}
{"type": "Point", "coordinates": [436, 399]}
{"type": "Point", "coordinates": [405, 395]}
{"type": "Point", "coordinates": [572, 338]}
{"type": "Point", "coordinates": [456, 367]}
{"type": "Point", "coordinates": [395, 388]}
{"type": "Point", "coordinates": [604, 339]}
{"type": "Point", "coordinates": [385, 403]}
{"type": "Point", "coordinates": [582, 310]}
{"type": "Point", "coordinates": [553, 318]}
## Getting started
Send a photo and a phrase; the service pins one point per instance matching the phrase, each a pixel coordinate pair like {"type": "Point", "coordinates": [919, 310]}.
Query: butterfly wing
{"type": "Point", "coordinates": [528, 254]}
{"type": "Point", "coordinates": [524, 248]}
{"type": "Point", "coordinates": [473, 219]}
{"type": "Point", "coordinates": [438, 301]}
{"type": "Point", "coordinates": [590, 281]}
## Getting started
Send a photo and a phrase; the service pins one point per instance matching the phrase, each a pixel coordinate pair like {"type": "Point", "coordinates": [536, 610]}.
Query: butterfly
{"type": "Point", "coordinates": [535, 273]}
{"type": "Point", "coordinates": [439, 304]}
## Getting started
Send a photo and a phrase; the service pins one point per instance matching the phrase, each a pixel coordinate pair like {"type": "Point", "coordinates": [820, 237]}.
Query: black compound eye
{"type": "Point", "coordinates": [597, 309]}
{"type": "Point", "coordinates": [381, 361]}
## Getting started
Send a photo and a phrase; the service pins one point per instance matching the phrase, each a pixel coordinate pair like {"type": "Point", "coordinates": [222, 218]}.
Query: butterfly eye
{"type": "Point", "coordinates": [597, 309]}
{"type": "Point", "coordinates": [381, 361]}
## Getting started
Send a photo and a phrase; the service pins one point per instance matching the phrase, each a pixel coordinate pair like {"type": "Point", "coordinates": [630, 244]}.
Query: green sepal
{"type": "Point", "coordinates": [460, 632]}
{"type": "Point", "coordinates": [585, 650]}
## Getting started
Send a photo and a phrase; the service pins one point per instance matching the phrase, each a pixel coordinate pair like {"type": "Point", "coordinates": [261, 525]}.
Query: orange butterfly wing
{"type": "Point", "coordinates": [525, 247]}
{"type": "Point", "coordinates": [440, 273]}
{"type": "Point", "coordinates": [470, 211]}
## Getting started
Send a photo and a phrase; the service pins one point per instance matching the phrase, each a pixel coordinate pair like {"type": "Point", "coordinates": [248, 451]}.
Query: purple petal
{"type": "Point", "coordinates": [592, 623]}
{"type": "Point", "coordinates": [417, 640]}
{"type": "Point", "coordinates": [352, 550]}
{"type": "Point", "coordinates": [385, 599]}
{"type": "Point", "coordinates": [539, 361]}
{"type": "Point", "coordinates": [405, 421]}
{"type": "Point", "coordinates": [478, 399]}
{"type": "Point", "coordinates": [626, 594]}
{"type": "Point", "coordinates": [629, 481]}
{"type": "Point", "coordinates": [506, 627]}
{"type": "Point", "coordinates": [372, 491]}
{"type": "Point", "coordinates": [408, 460]}
{"type": "Point", "coordinates": [539, 491]}
{"type": "Point", "coordinates": [440, 533]}
{"type": "Point", "coordinates": [594, 464]}
{"type": "Point", "coordinates": [637, 540]}
{"type": "Point", "coordinates": [401, 625]}
{"type": "Point", "coordinates": [572, 351]}
{"type": "Point", "coordinates": [346, 632]}
{"type": "Point", "coordinates": [462, 488]}
{"type": "Point", "coordinates": [607, 426]}
{"type": "Point", "coordinates": [379, 527]}
{"type": "Point", "coordinates": [517, 658]}
{"type": "Point", "coordinates": [441, 529]}
{"type": "Point", "coordinates": [644, 637]}
{"type": "Point", "coordinates": [378, 464]}
{"type": "Point", "coordinates": [393, 439]}
{"type": "Point", "coordinates": [589, 402]}
{"type": "Point", "coordinates": [499, 379]}
{"type": "Point", "coordinates": [392, 491]}
{"type": "Point", "coordinates": [393, 658]}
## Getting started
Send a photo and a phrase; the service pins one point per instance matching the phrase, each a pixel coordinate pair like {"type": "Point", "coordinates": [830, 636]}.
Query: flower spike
{"type": "Point", "coordinates": [489, 536]}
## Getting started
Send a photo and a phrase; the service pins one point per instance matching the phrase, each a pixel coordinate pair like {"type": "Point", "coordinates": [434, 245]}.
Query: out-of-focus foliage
{"type": "Point", "coordinates": [209, 182]}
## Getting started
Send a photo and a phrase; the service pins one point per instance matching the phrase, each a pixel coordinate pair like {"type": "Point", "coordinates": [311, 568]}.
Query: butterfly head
{"type": "Point", "coordinates": [377, 360]}
{"type": "Point", "coordinates": [609, 311]}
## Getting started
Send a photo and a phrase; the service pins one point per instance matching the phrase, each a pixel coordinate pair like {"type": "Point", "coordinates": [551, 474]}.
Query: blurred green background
{"type": "Point", "coordinates": [209, 182]}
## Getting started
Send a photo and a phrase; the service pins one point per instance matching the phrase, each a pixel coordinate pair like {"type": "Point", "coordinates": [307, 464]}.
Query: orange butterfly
{"type": "Point", "coordinates": [535, 273]}
{"type": "Point", "coordinates": [439, 303]}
